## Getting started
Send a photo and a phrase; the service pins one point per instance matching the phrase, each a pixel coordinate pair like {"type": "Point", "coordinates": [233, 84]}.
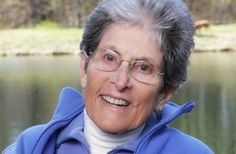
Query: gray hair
{"type": "Point", "coordinates": [171, 22]}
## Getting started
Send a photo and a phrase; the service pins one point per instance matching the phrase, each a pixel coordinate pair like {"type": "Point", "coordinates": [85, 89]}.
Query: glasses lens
{"type": "Point", "coordinates": [141, 70]}
{"type": "Point", "coordinates": [107, 60]}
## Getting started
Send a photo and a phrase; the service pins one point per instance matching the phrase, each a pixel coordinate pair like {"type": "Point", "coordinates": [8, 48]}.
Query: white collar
{"type": "Point", "coordinates": [101, 142]}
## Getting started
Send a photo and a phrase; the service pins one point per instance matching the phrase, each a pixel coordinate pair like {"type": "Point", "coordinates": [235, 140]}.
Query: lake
{"type": "Point", "coordinates": [29, 89]}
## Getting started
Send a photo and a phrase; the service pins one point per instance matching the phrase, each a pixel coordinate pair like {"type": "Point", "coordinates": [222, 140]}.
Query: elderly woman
{"type": "Point", "coordinates": [134, 56]}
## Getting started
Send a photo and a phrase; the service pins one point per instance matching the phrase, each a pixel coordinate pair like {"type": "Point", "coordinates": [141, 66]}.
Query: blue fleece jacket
{"type": "Point", "coordinates": [54, 136]}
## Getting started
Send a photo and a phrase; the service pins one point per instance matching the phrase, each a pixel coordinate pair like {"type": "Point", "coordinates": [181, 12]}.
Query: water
{"type": "Point", "coordinates": [29, 89]}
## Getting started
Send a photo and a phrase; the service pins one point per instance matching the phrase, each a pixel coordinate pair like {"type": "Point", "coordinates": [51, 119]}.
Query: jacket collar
{"type": "Point", "coordinates": [158, 120]}
{"type": "Point", "coordinates": [169, 112]}
{"type": "Point", "coordinates": [71, 102]}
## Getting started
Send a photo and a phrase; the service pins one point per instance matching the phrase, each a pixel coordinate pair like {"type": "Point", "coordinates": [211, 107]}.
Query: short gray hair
{"type": "Point", "coordinates": [171, 22]}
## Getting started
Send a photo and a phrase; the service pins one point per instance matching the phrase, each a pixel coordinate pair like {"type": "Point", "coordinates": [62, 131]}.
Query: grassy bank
{"type": "Point", "coordinates": [39, 41]}
{"type": "Point", "coordinates": [216, 38]}
{"type": "Point", "coordinates": [57, 41]}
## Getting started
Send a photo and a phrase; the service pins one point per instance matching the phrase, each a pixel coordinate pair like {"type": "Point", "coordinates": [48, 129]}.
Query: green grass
{"type": "Point", "coordinates": [218, 30]}
{"type": "Point", "coordinates": [216, 38]}
{"type": "Point", "coordinates": [230, 28]}
{"type": "Point", "coordinates": [48, 24]}
{"type": "Point", "coordinates": [40, 40]}
{"type": "Point", "coordinates": [48, 39]}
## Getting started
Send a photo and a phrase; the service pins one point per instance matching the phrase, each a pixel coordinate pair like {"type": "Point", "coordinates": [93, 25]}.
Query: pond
{"type": "Point", "coordinates": [29, 88]}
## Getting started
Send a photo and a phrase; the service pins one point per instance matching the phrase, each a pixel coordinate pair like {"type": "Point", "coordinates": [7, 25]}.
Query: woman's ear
{"type": "Point", "coordinates": [165, 96]}
{"type": "Point", "coordinates": [83, 72]}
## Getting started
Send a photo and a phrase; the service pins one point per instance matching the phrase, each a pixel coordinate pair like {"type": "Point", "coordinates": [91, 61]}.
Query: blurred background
{"type": "Point", "coordinates": [39, 46]}
{"type": "Point", "coordinates": [73, 13]}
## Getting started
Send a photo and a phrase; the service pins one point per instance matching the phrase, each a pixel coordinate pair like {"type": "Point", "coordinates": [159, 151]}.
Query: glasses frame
{"type": "Point", "coordinates": [130, 62]}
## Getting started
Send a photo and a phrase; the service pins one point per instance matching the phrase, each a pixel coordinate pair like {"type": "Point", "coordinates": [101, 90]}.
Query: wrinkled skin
{"type": "Point", "coordinates": [132, 42]}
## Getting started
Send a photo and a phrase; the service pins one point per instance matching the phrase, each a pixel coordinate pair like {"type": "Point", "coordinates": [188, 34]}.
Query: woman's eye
{"type": "Point", "coordinates": [109, 58]}
{"type": "Point", "coordinates": [144, 68]}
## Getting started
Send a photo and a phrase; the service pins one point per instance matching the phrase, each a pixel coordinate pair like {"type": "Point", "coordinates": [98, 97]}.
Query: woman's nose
{"type": "Point", "coordinates": [121, 77]}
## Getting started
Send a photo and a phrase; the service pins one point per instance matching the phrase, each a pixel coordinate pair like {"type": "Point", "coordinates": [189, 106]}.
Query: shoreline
{"type": "Point", "coordinates": [55, 54]}
{"type": "Point", "coordinates": [74, 51]}
{"type": "Point", "coordinates": [64, 42]}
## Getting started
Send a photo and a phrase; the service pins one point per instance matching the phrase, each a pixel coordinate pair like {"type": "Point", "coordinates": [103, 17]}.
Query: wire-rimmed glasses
{"type": "Point", "coordinates": [141, 70]}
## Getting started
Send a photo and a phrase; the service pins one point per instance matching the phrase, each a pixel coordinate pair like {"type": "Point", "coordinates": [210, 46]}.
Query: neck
{"type": "Point", "coordinates": [102, 142]}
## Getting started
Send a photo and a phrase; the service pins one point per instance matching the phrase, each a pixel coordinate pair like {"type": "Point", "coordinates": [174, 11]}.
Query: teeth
{"type": "Point", "coordinates": [115, 101]}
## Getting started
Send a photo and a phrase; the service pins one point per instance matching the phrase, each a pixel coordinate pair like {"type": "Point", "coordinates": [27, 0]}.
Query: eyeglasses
{"type": "Point", "coordinates": [141, 70]}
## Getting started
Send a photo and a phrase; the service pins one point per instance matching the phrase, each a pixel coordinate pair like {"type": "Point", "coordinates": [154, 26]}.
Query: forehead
{"type": "Point", "coordinates": [132, 42]}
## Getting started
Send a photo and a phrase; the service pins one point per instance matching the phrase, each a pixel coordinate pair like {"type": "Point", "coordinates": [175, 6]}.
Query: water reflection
{"type": "Point", "coordinates": [213, 86]}
{"type": "Point", "coordinates": [29, 88]}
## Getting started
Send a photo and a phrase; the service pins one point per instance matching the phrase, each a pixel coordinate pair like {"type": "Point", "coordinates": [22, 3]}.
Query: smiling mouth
{"type": "Point", "coordinates": [115, 101]}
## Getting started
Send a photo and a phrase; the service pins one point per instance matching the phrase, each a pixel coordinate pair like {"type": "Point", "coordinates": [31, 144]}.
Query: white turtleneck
{"type": "Point", "coordinates": [101, 142]}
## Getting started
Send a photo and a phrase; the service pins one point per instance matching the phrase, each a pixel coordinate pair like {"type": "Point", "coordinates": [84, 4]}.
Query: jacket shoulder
{"type": "Point", "coordinates": [28, 137]}
{"type": "Point", "coordinates": [188, 144]}
{"type": "Point", "coordinates": [173, 141]}
{"type": "Point", "coordinates": [10, 149]}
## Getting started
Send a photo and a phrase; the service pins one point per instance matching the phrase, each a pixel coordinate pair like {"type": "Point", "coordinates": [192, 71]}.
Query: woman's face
{"type": "Point", "coordinates": [104, 89]}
